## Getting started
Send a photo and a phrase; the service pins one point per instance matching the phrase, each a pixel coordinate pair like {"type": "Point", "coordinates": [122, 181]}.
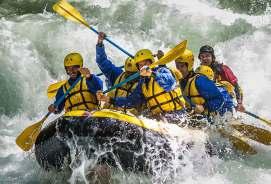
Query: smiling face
{"type": "Point", "coordinates": [206, 58]}
{"type": "Point", "coordinates": [72, 71]}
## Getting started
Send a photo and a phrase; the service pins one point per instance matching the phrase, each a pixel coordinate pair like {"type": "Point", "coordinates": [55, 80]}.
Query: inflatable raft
{"type": "Point", "coordinates": [107, 136]}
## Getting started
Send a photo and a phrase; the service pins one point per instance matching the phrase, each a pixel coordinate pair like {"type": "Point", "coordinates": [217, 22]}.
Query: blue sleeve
{"type": "Point", "coordinates": [228, 101]}
{"type": "Point", "coordinates": [110, 71]}
{"type": "Point", "coordinates": [208, 90]}
{"type": "Point", "coordinates": [59, 94]}
{"type": "Point", "coordinates": [94, 84]}
{"type": "Point", "coordinates": [134, 99]}
{"type": "Point", "coordinates": [165, 79]}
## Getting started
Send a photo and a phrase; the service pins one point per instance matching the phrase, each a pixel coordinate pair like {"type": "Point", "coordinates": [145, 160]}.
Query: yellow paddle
{"type": "Point", "coordinates": [169, 56]}
{"type": "Point", "coordinates": [53, 88]}
{"type": "Point", "coordinates": [257, 134]}
{"type": "Point", "coordinates": [238, 141]}
{"type": "Point", "coordinates": [258, 117]}
{"type": "Point", "coordinates": [240, 133]}
{"type": "Point", "coordinates": [29, 135]}
{"type": "Point", "coordinates": [251, 132]}
{"type": "Point", "coordinates": [66, 10]}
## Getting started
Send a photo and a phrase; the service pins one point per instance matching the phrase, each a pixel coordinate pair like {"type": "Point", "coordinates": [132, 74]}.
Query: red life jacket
{"type": "Point", "coordinates": [226, 74]}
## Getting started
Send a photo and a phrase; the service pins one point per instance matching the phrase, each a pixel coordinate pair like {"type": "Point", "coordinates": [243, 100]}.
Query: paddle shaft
{"type": "Point", "coordinates": [132, 77]}
{"type": "Point", "coordinates": [122, 82]}
{"type": "Point", "coordinates": [100, 74]}
{"type": "Point", "coordinates": [56, 104]}
{"type": "Point", "coordinates": [257, 117]}
{"type": "Point", "coordinates": [169, 56]}
{"type": "Point", "coordinates": [95, 31]}
{"type": "Point", "coordinates": [135, 75]}
{"type": "Point", "coordinates": [110, 41]}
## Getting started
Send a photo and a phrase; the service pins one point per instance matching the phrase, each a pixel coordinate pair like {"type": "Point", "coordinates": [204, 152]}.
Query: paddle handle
{"type": "Point", "coordinates": [110, 41]}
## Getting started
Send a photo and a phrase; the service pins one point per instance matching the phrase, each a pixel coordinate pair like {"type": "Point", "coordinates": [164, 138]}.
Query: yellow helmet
{"type": "Point", "coordinates": [73, 59]}
{"type": "Point", "coordinates": [143, 55]}
{"type": "Point", "coordinates": [187, 57]}
{"type": "Point", "coordinates": [206, 70]}
{"type": "Point", "coordinates": [130, 65]}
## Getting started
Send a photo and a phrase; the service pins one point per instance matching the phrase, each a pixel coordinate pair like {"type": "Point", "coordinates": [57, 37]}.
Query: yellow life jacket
{"type": "Point", "coordinates": [192, 92]}
{"type": "Point", "coordinates": [176, 74]}
{"type": "Point", "coordinates": [122, 91]}
{"type": "Point", "coordinates": [228, 86]}
{"type": "Point", "coordinates": [159, 101]}
{"type": "Point", "coordinates": [80, 98]}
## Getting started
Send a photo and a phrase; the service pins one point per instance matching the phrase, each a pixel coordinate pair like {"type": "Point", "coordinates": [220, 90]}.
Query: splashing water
{"type": "Point", "coordinates": [34, 42]}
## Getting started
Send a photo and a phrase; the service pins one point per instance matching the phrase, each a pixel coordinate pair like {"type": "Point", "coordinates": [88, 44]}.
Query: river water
{"type": "Point", "coordinates": [34, 41]}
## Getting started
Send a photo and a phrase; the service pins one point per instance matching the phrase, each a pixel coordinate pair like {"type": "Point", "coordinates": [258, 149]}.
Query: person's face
{"type": "Point", "coordinates": [182, 67]}
{"type": "Point", "coordinates": [146, 62]}
{"type": "Point", "coordinates": [206, 58]}
{"type": "Point", "coordinates": [72, 71]}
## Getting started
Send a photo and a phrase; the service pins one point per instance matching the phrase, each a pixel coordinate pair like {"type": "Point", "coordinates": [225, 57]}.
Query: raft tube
{"type": "Point", "coordinates": [125, 141]}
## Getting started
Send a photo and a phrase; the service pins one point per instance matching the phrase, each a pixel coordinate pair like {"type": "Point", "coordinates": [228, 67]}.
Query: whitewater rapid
{"type": "Point", "coordinates": [35, 40]}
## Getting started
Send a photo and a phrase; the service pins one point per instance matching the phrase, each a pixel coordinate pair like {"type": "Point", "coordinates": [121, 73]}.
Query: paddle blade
{"type": "Point", "coordinates": [172, 54]}
{"type": "Point", "coordinates": [238, 141]}
{"type": "Point", "coordinates": [51, 95]}
{"type": "Point", "coordinates": [28, 137]}
{"type": "Point", "coordinates": [53, 88]}
{"type": "Point", "coordinates": [66, 10]}
{"type": "Point", "coordinates": [258, 134]}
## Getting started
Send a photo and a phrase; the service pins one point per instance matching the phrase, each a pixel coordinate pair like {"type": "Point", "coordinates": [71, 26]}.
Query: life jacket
{"type": "Point", "coordinates": [227, 86]}
{"type": "Point", "coordinates": [79, 98]}
{"type": "Point", "coordinates": [184, 80]}
{"type": "Point", "coordinates": [176, 74]}
{"type": "Point", "coordinates": [224, 73]}
{"type": "Point", "coordinates": [228, 101]}
{"type": "Point", "coordinates": [192, 92]}
{"type": "Point", "coordinates": [122, 91]}
{"type": "Point", "coordinates": [160, 101]}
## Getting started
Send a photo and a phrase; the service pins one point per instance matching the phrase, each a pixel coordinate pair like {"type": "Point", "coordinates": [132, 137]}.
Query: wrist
{"type": "Point", "coordinates": [111, 100]}
{"type": "Point", "coordinates": [88, 76]}
{"type": "Point", "coordinates": [153, 74]}
{"type": "Point", "coordinates": [100, 44]}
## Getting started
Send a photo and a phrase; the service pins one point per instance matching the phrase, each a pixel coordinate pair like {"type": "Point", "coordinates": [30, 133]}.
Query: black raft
{"type": "Point", "coordinates": [110, 137]}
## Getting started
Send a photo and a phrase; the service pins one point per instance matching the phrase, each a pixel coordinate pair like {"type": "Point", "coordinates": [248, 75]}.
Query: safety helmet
{"type": "Point", "coordinates": [206, 70]}
{"type": "Point", "coordinates": [130, 65]}
{"type": "Point", "coordinates": [187, 57]}
{"type": "Point", "coordinates": [143, 54]}
{"type": "Point", "coordinates": [73, 59]}
{"type": "Point", "coordinates": [208, 49]}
